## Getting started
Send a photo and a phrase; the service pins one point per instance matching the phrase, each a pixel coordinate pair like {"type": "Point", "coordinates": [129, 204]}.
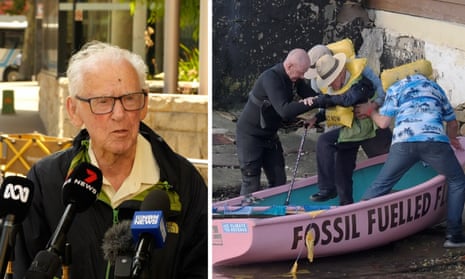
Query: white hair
{"type": "Point", "coordinates": [92, 55]}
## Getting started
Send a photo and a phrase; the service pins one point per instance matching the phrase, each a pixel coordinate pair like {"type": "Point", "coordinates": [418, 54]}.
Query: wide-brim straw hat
{"type": "Point", "coordinates": [328, 68]}
{"type": "Point", "coordinates": [314, 54]}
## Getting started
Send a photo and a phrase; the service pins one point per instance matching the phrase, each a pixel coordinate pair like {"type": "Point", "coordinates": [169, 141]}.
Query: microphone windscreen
{"type": "Point", "coordinates": [156, 200]}
{"type": "Point", "coordinates": [117, 241]}
{"type": "Point", "coordinates": [127, 208]}
{"type": "Point", "coordinates": [82, 186]}
{"type": "Point", "coordinates": [16, 194]}
{"type": "Point", "coordinates": [44, 266]}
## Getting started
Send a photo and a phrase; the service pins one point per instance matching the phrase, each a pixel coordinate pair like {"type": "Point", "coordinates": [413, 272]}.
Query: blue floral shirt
{"type": "Point", "coordinates": [419, 106]}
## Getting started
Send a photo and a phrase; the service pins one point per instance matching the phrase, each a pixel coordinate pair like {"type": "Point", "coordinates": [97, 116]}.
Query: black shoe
{"type": "Point", "coordinates": [320, 197]}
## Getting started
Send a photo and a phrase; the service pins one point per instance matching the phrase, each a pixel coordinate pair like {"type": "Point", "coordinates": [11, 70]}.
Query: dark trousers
{"type": "Point", "coordinates": [378, 145]}
{"type": "Point", "coordinates": [255, 153]}
{"type": "Point", "coordinates": [336, 161]}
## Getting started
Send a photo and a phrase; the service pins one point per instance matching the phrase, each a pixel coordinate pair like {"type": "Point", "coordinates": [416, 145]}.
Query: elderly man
{"type": "Point", "coordinates": [271, 101]}
{"type": "Point", "coordinates": [343, 85]}
{"type": "Point", "coordinates": [373, 146]}
{"type": "Point", "coordinates": [108, 98]}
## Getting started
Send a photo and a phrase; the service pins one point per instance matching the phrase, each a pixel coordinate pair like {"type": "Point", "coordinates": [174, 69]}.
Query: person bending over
{"type": "Point", "coordinates": [420, 107]}
{"type": "Point", "coordinates": [343, 85]}
{"type": "Point", "coordinates": [372, 147]}
{"type": "Point", "coordinates": [270, 103]}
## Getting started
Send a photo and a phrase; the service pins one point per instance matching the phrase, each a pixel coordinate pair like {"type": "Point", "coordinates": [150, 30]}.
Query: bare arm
{"type": "Point", "coordinates": [381, 120]}
{"type": "Point", "coordinates": [370, 109]}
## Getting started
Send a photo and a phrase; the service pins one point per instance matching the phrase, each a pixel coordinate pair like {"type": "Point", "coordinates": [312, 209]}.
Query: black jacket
{"type": "Point", "coordinates": [275, 87]}
{"type": "Point", "coordinates": [360, 92]}
{"type": "Point", "coordinates": [184, 254]}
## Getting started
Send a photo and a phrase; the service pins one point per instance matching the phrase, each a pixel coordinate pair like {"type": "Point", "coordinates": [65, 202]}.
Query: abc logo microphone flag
{"type": "Point", "coordinates": [151, 222]}
{"type": "Point", "coordinates": [15, 200]}
{"type": "Point", "coordinates": [16, 196]}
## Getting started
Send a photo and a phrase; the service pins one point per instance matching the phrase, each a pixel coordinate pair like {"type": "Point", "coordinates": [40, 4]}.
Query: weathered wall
{"type": "Point", "coordinates": [182, 120]}
{"type": "Point", "coordinates": [407, 38]}
{"type": "Point", "coordinates": [250, 36]}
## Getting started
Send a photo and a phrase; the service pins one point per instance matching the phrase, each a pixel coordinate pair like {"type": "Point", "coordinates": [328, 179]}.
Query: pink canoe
{"type": "Point", "coordinates": [269, 231]}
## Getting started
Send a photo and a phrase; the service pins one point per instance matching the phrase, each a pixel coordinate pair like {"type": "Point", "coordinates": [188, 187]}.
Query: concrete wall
{"type": "Point", "coordinates": [408, 37]}
{"type": "Point", "coordinates": [182, 120]}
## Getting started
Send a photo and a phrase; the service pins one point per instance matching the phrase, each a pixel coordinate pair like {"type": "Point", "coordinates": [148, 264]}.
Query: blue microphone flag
{"type": "Point", "coordinates": [149, 222]}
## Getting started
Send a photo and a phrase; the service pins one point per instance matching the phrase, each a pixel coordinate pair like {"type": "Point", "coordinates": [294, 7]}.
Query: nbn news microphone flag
{"type": "Point", "coordinates": [151, 222]}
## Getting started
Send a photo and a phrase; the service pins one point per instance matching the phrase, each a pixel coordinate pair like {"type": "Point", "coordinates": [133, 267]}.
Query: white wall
{"type": "Point", "coordinates": [444, 47]}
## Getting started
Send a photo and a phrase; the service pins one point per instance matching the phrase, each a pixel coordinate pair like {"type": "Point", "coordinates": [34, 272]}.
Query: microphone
{"type": "Point", "coordinates": [15, 199]}
{"type": "Point", "coordinates": [79, 192]}
{"type": "Point", "coordinates": [118, 248]}
{"type": "Point", "coordinates": [149, 228]}
{"type": "Point", "coordinates": [66, 262]}
{"type": "Point", "coordinates": [44, 266]}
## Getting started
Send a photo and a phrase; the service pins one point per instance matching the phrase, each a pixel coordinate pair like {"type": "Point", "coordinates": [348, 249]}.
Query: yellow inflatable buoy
{"type": "Point", "coordinates": [390, 76]}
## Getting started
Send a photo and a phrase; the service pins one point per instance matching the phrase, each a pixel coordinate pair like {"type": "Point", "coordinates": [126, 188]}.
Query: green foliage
{"type": "Point", "coordinates": [190, 16]}
{"type": "Point", "coordinates": [189, 21]}
{"type": "Point", "coordinates": [188, 66]}
{"type": "Point", "coordinates": [189, 13]}
{"type": "Point", "coordinates": [17, 7]}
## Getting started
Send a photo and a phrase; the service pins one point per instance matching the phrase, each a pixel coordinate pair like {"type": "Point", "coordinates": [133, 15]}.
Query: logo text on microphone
{"type": "Point", "coordinates": [146, 219]}
{"type": "Point", "coordinates": [83, 184]}
{"type": "Point", "coordinates": [16, 192]}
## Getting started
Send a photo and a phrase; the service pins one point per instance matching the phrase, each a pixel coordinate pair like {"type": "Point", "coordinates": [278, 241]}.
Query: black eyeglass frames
{"type": "Point", "coordinates": [105, 104]}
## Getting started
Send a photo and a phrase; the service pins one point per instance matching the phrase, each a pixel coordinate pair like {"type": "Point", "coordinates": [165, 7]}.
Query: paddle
{"type": "Point", "coordinates": [301, 147]}
{"type": "Point", "coordinates": [270, 211]}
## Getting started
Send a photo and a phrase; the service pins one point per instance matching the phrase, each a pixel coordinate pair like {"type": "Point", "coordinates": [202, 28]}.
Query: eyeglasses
{"type": "Point", "coordinates": [103, 105]}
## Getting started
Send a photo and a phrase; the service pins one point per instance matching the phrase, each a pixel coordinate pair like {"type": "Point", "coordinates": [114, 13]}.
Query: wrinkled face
{"type": "Point", "coordinates": [114, 132]}
{"type": "Point", "coordinates": [296, 71]}
{"type": "Point", "coordinates": [338, 83]}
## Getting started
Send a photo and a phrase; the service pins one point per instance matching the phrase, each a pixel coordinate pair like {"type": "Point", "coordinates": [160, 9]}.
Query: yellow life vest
{"type": "Point", "coordinates": [340, 115]}
{"type": "Point", "coordinates": [343, 46]}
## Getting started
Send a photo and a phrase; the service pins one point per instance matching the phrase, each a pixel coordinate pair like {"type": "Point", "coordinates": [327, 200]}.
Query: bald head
{"type": "Point", "coordinates": [299, 57]}
{"type": "Point", "coordinates": [296, 63]}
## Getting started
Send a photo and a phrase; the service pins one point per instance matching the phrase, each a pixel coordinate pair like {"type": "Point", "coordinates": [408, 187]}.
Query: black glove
{"type": "Point", "coordinates": [323, 101]}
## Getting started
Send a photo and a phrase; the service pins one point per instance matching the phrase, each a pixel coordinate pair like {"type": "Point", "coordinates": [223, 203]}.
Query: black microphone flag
{"type": "Point", "coordinates": [80, 191]}
{"type": "Point", "coordinates": [15, 199]}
